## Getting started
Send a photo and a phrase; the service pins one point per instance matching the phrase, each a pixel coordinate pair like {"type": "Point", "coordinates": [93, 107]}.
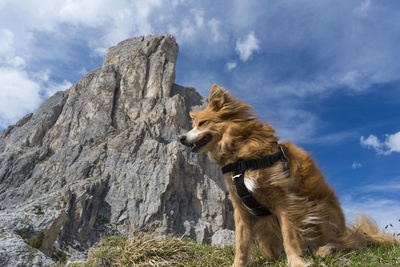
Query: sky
{"type": "Point", "coordinates": [324, 74]}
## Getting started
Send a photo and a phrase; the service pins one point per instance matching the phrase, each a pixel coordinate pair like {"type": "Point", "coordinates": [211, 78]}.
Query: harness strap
{"type": "Point", "coordinates": [248, 200]}
{"type": "Point", "coordinates": [239, 168]}
{"type": "Point", "coordinates": [254, 164]}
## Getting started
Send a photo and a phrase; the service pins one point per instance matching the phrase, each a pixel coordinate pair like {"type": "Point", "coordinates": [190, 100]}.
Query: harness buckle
{"type": "Point", "coordinates": [236, 176]}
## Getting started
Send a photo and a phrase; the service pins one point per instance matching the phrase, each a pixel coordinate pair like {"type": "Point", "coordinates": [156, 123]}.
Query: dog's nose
{"type": "Point", "coordinates": [182, 139]}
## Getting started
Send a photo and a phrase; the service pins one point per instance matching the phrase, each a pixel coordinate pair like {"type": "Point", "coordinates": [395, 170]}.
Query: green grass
{"type": "Point", "coordinates": [37, 241]}
{"type": "Point", "coordinates": [149, 250]}
{"type": "Point", "coordinates": [39, 210]}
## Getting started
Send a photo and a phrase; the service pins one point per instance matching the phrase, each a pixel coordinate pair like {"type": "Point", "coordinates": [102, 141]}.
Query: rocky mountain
{"type": "Point", "coordinates": [103, 158]}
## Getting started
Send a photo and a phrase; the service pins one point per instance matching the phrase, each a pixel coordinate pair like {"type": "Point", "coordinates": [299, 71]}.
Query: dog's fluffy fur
{"type": "Point", "coordinates": [306, 211]}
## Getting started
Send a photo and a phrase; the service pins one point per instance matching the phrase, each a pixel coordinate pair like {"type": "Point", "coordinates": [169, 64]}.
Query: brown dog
{"type": "Point", "coordinates": [305, 211]}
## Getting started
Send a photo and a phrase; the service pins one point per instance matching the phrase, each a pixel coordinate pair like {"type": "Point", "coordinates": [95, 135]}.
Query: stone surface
{"type": "Point", "coordinates": [102, 158]}
{"type": "Point", "coordinates": [15, 251]}
{"type": "Point", "coordinates": [223, 237]}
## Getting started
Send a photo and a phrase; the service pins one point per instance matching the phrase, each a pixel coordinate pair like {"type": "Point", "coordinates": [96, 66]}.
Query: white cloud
{"type": "Point", "coordinates": [189, 27]}
{"type": "Point", "coordinates": [384, 211]}
{"type": "Point", "coordinates": [84, 12]}
{"type": "Point", "coordinates": [177, 2]}
{"type": "Point", "coordinates": [231, 65]}
{"type": "Point", "coordinates": [21, 90]}
{"type": "Point", "coordinates": [56, 87]}
{"type": "Point", "coordinates": [371, 141]}
{"type": "Point", "coordinates": [6, 42]}
{"type": "Point", "coordinates": [366, 199]}
{"type": "Point", "coordinates": [356, 165]}
{"type": "Point", "coordinates": [245, 48]}
{"type": "Point", "coordinates": [333, 138]}
{"type": "Point", "coordinates": [355, 80]}
{"type": "Point", "coordinates": [19, 95]}
{"type": "Point", "coordinates": [195, 30]}
{"type": "Point", "coordinates": [113, 20]}
{"type": "Point", "coordinates": [83, 71]}
{"type": "Point", "coordinates": [391, 144]}
{"type": "Point", "coordinates": [387, 187]}
{"type": "Point", "coordinates": [119, 21]}
{"type": "Point", "coordinates": [16, 62]}
{"type": "Point", "coordinates": [7, 51]}
{"type": "Point", "coordinates": [294, 124]}
{"type": "Point", "coordinates": [198, 17]}
{"type": "Point", "coordinates": [363, 8]}
{"type": "Point", "coordinates": [214, 26]}
{"type": "Point", "coordinates": [332, 66]}
{"type": "Point", "coordinates": [187, 30]}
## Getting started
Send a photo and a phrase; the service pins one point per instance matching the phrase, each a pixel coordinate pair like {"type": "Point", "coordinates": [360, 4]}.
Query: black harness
{"type": "Point", "coordinates": [239, 167]}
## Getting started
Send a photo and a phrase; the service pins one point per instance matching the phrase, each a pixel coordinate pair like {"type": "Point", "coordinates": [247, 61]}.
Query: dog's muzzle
{"type": "Point", "coordinates": [197, 145]}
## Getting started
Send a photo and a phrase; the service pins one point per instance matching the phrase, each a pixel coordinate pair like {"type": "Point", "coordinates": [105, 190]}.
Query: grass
{"type": "Point", "coordinates": [39, 210]}
{"type": "Point", "coordinates": [148, 250]}
{"type": "Point", "coordinates": [37, 241]}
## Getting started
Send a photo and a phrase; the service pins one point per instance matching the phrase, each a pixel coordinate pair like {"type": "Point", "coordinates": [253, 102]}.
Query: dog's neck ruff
{"type": "Point", "coordinates": [239, 167]}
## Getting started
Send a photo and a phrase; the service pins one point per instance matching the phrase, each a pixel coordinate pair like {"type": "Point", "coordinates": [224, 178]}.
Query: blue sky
{"type": "Point", "coordinates": [324, 74]}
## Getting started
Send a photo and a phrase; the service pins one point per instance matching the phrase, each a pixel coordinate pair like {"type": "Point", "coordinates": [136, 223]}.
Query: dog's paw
{"type": "Point", "coordinates": [324, 251]}
{"type": "Point", "coordinates": [298, 262]}
{"type": "Point", "coordinates": [301, 264]}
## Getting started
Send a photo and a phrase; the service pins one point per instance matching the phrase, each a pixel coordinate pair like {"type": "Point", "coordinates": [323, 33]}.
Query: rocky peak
{"type": "Point", "coordinates": [102, 158]}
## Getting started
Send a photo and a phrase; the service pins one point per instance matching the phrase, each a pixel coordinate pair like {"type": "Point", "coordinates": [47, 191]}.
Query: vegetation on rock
{"type": "Point", "coordinates": [36, 242]}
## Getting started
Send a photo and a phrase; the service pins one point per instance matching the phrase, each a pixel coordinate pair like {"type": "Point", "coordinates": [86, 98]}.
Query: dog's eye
{"type": "Point", "coordinates": [201, 123]}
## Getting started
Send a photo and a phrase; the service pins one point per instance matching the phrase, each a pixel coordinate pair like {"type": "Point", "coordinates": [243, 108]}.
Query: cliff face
{"type": "Point", "coordinates": [102, 158]}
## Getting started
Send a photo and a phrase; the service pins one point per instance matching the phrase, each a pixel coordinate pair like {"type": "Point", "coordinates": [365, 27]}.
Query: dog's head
{"type": "Point", "coordinates": [210, 124]}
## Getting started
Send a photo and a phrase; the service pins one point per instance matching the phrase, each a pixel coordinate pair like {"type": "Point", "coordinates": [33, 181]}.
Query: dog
{"type": "Point", "coordinates": [305, 213]}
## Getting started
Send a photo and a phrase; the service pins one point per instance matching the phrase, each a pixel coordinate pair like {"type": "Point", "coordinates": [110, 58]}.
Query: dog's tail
{"type": "Point", "coordinates": [365, 232]}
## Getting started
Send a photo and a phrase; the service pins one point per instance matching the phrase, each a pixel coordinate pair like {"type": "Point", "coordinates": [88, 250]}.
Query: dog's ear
{"type": "Point", "coordinates": [192, 114]}
{"type": "Point", "coordinates": [218, 97]}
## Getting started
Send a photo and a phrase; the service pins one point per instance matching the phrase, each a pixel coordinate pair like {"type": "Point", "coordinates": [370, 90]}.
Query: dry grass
{"type": "Point", "coordinates": [149, 250]}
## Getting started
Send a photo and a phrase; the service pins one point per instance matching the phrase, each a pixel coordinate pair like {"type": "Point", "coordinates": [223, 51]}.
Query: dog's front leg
{"type": "Point", "coordinates": [243, 235]}
{"type": "Point", "coordinates": [290, 241]}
